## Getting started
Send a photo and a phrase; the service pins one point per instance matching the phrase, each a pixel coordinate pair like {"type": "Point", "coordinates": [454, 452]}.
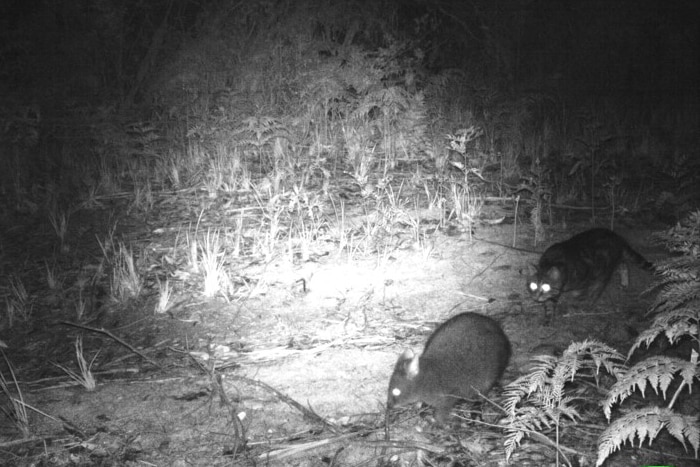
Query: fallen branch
{"type": "Point", "coordinates": [117, 339]}
{"type": "Point", "coordinates": [19, 442]}
{"type": "Point", "coordinates": [308, 413]}
{"type": "Point", "coordinates": [297, 449]}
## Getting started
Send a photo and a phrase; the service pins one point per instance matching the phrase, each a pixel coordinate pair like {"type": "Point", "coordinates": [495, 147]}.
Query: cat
{"type": "Point", "coordinates": [582, 266]}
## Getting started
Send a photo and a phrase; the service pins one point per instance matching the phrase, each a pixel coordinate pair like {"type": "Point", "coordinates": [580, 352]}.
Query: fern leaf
{"type": "Point", "coordinates": [674, 324]}
{"type": "Point", "coordinates": [676, 294]}
{"type": "Point", "coordinates": [677, 309]}
{"type": "Point", "coordinates": [657, 372]}
{"type": "Point", "coordinates": [647, 424]}
{"type": "Point", "coordinates": [528, 419]}
{"type": "Point", "coordinates": [539, 400]}
{"type": "Point", "coordinates": [597, 353]}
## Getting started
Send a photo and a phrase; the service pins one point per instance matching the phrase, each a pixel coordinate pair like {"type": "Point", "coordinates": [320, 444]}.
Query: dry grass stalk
{"type": "Point", "coordinates": [85, 378]}
{"type": "Point", "coordinates": [164, 295]}
{"type": "Point", "coordinates": [213, 264]}
{"type": "Point", "coordinates": [126, 281]}
{"type": "Point", "coordinates": [16, 411]}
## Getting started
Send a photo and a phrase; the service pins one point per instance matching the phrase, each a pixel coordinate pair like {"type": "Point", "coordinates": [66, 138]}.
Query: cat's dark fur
{"type": "Point", "coordinates": [582, 266]}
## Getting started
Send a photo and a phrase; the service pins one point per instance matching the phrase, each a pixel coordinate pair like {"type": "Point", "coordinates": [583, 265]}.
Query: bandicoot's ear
{"type": "Point", "coordinates": [413, 368]}
{"type": "Point", "coordinates": [407, 363]}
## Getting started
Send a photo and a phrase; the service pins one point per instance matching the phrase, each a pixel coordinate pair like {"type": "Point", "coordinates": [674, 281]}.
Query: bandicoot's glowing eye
{"type": "Point", "coordinates": [546, 288]}
{"type": "Point", "coordinates": [533, 286]}
{"type": "Point", "coordinates": [396, 392]}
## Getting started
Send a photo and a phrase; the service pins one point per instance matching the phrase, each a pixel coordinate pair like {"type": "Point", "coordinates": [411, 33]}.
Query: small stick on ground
{"type": "Point", "coordinates": [239, 436]}
{"type": "Point", "coordinates": [308, 413]}
{"type": "Point", "coordinates": [109, 334]}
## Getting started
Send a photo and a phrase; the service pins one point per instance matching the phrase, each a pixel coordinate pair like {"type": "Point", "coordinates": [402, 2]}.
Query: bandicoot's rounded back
{"type": "Point", "coordinates": [464, 356]}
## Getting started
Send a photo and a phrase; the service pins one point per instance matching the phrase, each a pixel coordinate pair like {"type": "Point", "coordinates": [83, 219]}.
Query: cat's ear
{"type": "Point", "coordinates": [532, 268]}
{"type": "Point", "coordinates": [554, 273]}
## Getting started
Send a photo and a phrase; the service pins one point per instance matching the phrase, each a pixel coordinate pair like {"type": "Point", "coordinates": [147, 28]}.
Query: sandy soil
{"type": "Point", "coordinates": [304, 365]}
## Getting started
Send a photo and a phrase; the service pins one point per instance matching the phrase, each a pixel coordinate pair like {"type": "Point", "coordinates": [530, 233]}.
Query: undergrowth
{"type": "Point", "coordinates": [677, 308]}
{"type": "Point", "coordinates": [551, 396]}
{"type": "Point", "coordinates": [543, 399]}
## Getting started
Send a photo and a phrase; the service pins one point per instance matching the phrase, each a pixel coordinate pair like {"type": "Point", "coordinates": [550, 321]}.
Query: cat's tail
{"type": "Point", "coordinates": [638, 259]}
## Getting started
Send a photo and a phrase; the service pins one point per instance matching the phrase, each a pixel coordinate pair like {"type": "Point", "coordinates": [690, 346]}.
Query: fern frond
{"type": "Point", "coordinates": [566, 408]}
{"type": "Point", "coordinates": [528, 420]}
{"type": "Point", "coordinates": [681, 267]}
{"type": "Point", "coordinates": [512, 442]}
{"type": "Point", "coordinates": [676, 294]}
{"type": "Point", "coordinates": [678, 311]}
{"type": "Point", "coordinates": [597, 355]}
{"type": "Point", "coordinates": [540, 374]}
{"type": "Point", "coordinates": [647, 424]}
{"type": "Point", "coordinates": [539, 400]}
{"type": "Point", "coordinates": [657, 372]}
{"type": "Point", "coordinates": [674, 324]}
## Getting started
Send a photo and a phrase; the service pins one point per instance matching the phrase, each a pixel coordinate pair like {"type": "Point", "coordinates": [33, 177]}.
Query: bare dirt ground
{"type": "Point", "coordinates": [301, 357]}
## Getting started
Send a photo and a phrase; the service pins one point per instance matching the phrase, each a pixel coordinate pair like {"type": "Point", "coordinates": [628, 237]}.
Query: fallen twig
{"type": "Point", "coordinates": [19, 442]}
{"type": "Point", "coordinates": [308, 413]}
{"type": "Point", "coordinates": [297, 449]}
{"type": "Point", "coordinates": [109, 334]}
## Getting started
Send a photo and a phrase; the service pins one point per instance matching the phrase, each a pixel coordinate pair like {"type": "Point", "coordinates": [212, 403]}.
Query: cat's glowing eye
{"type": "Point", "coordinates": [533, 286]}
{"type": "Point", "coordinates": [546, 288]}
{"type": "Point", "coordinates": [396, 392]}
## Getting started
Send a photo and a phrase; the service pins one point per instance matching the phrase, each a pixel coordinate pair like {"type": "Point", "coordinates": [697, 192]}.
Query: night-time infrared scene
{"type": "Point", "coordinates": [349, 233]}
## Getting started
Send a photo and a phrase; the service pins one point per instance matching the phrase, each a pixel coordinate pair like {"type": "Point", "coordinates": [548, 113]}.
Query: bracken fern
{"type": "Point", "coordinates": [541, 400]}
{"type": "Point", "coordinates": [677, 308]}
